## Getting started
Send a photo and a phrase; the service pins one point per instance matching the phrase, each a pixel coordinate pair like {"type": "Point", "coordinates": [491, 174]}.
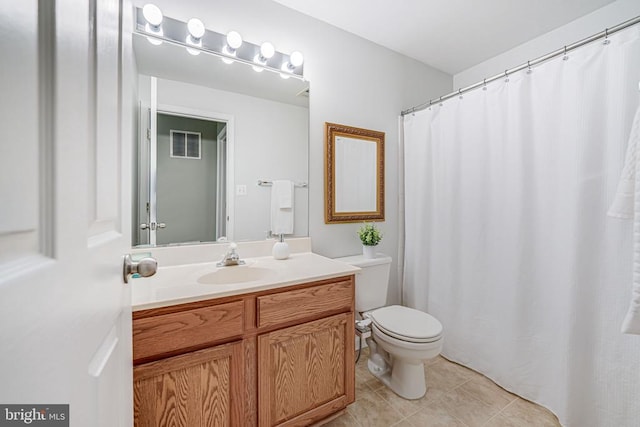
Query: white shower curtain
{"type": "Point", "coordinates": [507, 240]}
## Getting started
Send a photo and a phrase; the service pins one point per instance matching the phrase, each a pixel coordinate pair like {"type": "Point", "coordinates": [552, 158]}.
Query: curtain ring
{"type": "Point", "coordinates": [529, 70]}
{"type": "Point", "coordinates": [460, 93]}
{"type": "Point", "coordinates": [484, 86]}
{"type": "Point", "coordinates": [565, 57]}
{"type": "Point", "coordinates": [606, 37]}
{"type": "Point", "coordinates": [441, 101]}
{"type": "Point", "coordinates": [506, 76]}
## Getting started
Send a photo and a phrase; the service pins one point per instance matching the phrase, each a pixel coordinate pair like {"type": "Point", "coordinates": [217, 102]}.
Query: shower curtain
{"type": "Point", "coordinates": [507, 239]}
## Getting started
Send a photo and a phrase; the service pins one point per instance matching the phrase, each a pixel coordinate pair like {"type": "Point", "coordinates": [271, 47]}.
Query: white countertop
{"type": "Point", "coordinates": [179, 284]}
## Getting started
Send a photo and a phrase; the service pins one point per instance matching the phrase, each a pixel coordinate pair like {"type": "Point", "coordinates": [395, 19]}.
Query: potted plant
{"type": "Point", "coordinates": [370, 236]}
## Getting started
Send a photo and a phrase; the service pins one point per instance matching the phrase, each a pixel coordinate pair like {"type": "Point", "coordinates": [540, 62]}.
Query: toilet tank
{"type": "Point", "coordinates": [372, 282]}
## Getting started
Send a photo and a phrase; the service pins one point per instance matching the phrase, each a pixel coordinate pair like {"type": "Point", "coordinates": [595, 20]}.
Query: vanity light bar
{"type": "Point", "coordinates": [175, 32]}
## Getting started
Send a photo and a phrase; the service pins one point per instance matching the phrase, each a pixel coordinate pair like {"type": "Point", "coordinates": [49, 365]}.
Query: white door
{"type": "Point", "coordinates": [65, 132]}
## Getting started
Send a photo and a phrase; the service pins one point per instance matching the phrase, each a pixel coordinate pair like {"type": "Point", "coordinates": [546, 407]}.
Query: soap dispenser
{"type": "Point", "coordinates": [281, 249]}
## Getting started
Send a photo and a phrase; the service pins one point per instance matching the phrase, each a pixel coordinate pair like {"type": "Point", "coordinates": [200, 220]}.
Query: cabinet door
{"type": "Point", "coordinates": [203, 388]}
{"type": "Point", "coordinates": [306, 372]}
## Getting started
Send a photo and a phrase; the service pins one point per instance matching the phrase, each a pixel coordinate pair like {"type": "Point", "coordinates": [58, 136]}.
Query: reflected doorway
{"type": "Point", "coordinates": [183, 188]}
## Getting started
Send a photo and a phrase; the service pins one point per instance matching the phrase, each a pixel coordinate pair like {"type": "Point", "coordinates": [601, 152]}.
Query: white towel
{"type": "Point", "coordinates": [285, 194]}
{"type": "Point", "coordinates": [282, 207]}
{"type": "Point", "coordinates": [625, 205]}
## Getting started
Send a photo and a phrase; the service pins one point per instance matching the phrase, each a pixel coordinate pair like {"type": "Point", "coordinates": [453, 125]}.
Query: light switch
{"type": "Point", "coordinates": [241, 190]}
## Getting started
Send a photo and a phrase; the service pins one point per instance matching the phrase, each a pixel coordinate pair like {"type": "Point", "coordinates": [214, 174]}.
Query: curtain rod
{"type": "Point", "coordinates": [562, 51]}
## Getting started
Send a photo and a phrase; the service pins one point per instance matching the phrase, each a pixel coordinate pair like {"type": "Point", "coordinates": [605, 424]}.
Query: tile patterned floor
{"type": "Point", "coordinates": [456, 397]}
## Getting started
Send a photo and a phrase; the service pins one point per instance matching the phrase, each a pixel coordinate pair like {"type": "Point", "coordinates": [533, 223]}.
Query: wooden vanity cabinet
{"type": "Point", "coordinates": [306, 371]}
{"type": "Point", "coordinates": [302, 374]}
{"type": "Point", "coordinates": [186, 372]}
{"type": "Point", "coordinates": [200, 388]}
{"type": "Point", "coordinates": [283, 357]}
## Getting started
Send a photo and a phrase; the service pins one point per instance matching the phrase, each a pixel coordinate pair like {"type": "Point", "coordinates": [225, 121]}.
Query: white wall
{"type": "Point", "coordinates": [595, 22]}
{"type": "Point", "coordinates": [353, 82]}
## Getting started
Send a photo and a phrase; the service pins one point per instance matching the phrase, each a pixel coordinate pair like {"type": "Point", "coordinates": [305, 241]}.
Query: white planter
{"type": "Point", "coordinates": [369, 251]}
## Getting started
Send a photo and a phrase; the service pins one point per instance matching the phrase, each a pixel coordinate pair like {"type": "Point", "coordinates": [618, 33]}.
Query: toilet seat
{"type": "Point", "coordinates": [396, 346]}
{"type": "Point", "coordinates": [406, 324]}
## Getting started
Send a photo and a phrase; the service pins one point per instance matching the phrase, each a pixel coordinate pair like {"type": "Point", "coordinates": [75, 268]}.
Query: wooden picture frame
{"type": "Point", "coordinates": [354, 174]}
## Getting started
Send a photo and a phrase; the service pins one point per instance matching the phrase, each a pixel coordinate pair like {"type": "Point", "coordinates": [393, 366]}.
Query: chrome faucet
{"type": "Point", "coordinates": [231, 257]}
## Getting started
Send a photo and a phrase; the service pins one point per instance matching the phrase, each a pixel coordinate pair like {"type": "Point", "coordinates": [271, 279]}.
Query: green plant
{"type": "Point", "coordinates": [369, 234]}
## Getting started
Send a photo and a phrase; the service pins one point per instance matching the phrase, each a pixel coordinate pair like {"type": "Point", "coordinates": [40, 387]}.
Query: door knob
{"type": "Point", "coordinates": [152, 225]}
{"type": "Point", "coordinates": [145, 267]}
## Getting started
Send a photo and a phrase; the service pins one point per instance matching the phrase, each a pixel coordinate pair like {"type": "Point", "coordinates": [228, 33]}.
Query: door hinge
{"type": "Point", "coordinates": [148, 134]}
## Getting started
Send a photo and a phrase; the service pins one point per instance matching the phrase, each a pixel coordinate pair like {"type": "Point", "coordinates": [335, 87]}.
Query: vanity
{"type": "Point", "coordinates": [275, 348]}
{"type": "Point", "coordinates": [267, 343]}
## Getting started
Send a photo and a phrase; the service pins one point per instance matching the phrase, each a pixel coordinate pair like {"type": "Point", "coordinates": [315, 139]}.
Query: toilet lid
{"type": "Point", "coordinates": [406, 323]}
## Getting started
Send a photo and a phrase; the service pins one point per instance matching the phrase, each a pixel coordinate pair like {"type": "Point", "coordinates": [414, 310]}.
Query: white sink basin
{"type": "Point", "coordinates": [236, 274]}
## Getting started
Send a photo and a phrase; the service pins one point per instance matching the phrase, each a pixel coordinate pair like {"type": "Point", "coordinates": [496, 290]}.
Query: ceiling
{"type": "Point", "coordinates": [450, 35]}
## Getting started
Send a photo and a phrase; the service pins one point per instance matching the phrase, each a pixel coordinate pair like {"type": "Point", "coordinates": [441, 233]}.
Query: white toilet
{"type": "Point", "coordinates": [402, 338]}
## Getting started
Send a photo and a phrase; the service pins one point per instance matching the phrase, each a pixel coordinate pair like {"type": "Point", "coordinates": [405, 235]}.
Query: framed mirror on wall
{"type": "Point", "coordinates": [354, 174]}
{"type": "Point", "coordinates": [253, 127]}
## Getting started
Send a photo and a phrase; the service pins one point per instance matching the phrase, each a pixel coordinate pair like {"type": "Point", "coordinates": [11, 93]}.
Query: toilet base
{"type": "Point", "coordinates": [406, 379]}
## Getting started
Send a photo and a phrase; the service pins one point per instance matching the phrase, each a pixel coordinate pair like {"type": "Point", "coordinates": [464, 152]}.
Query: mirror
{"type": "Point", "coordinates": [222, 134]}
{"type": "Point", "coordinates": [354, 174]}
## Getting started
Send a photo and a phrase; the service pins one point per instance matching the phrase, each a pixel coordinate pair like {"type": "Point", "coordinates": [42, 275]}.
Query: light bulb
{"type": "Point", "coordinates": [258, 59]}
{"type": "Point", "coordinates": [286, 69]}
{"type": "Point", "coordinates": [194, 38]}
{"type": "Point", "coordinates": [227, 51]}
{"type": "Point", "coordinates": [152, 14]}
{"type": "Point", "coordinates": [157, 31]}
{"type": "Point", "coordinates": [296, 59]}
{"type": "Point", "coordinates": [154, 42]}
{"type": "Point", "coordinates": [195, 28]}
{"type": "Point", "coordinates": [267, 50]}
{"type": "Point", "coordinates": [193, 42]}
{"type": "Point", "coordinates": [234, 39]}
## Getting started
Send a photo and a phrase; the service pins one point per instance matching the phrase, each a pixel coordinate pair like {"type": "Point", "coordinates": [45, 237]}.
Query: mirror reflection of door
{"type": "Point", "coordinates": [221, 214]}
{"type": "Point", "coordinates": [187, 179]}
{"type": "Point", "coordinates": [190, 170]}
